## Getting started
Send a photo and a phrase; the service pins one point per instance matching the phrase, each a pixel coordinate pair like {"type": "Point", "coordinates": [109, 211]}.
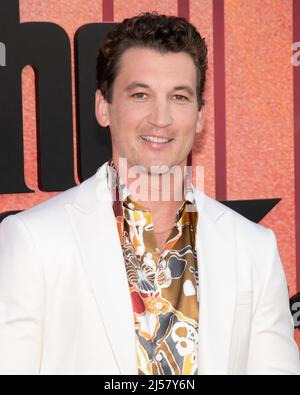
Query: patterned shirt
{"type": "Point", "coordinates": [163, 286]}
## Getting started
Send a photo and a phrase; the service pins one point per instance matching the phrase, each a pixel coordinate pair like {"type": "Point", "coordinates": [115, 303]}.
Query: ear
{"type": "Point", "coordinates": [201, 120]}
{"type": "Point", "coordinates": [101, 109]}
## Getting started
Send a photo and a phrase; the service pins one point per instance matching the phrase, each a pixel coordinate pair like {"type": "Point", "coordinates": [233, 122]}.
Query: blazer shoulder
{"type": "Point", "coordinates": [217, 209]}
{"type": "Point", "coordinates": [52, 206]}
{"type": "Point", "coordinates": [49, 216]}
{"type": "Point", "coordinates": [250, 236]}
{"type": "Point", "coordinates": [255, 245]}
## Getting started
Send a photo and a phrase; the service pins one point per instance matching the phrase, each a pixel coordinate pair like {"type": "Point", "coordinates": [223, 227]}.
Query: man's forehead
{"type": "Point", "coordinates": [137, 65]}
{"type": "Point", "coordinates": [139, 52]}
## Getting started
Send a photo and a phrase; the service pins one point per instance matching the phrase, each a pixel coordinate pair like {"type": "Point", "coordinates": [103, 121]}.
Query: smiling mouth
{"type": "Point", "coordinates": [157, 140]}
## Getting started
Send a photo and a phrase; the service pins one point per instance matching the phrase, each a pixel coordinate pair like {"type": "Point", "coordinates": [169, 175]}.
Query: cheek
{"type": "Point", "coordinates": [124, 127]}
{"type": "Point", "coordinates": [127, 118]}
{"type": "Point", "coordinates": [187, 130]}
{"type": "Point", "coordinates": [186, 119]}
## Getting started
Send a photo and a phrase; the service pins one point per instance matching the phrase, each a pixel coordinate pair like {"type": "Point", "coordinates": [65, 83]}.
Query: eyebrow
{"type": "Point", "coordinates": [134, 85]}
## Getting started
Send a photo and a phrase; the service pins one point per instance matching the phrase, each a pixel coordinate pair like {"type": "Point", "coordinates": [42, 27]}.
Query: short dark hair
{"type": "Point", "coordinates": [150, 30]}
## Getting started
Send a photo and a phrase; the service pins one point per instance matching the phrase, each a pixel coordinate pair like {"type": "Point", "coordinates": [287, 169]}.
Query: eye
{"type": "Point", "coordinates": [180, 98]}
{"type": "Point", "coordinates": [139, 95]}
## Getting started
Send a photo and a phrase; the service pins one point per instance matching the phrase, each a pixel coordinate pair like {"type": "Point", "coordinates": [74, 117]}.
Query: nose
{"type": "Point", "coordinates": [160, 115]}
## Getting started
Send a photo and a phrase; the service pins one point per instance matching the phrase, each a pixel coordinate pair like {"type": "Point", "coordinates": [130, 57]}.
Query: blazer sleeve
{"type": "Point", "coordinates": [21, 300]}
{"type": "Point", "coordinates": [273, 349]}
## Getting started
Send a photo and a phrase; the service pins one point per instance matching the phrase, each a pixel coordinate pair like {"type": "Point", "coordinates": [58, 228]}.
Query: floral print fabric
{"type": "Point", "coordinates": [163, 286]}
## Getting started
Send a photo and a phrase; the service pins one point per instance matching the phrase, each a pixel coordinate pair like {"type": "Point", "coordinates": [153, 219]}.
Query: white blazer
{"type": "Point", "coordinates": [65, 305]}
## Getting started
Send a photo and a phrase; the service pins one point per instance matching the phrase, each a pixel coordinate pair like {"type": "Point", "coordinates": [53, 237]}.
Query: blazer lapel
{"type": "Point", "coordinates": [95, 230]}
{"type": "Point", "coordinates": [217, 284]}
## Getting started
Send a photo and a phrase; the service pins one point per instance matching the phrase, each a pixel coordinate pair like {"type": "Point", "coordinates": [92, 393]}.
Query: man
{"type": "Point", "coordinates": [106, 279]}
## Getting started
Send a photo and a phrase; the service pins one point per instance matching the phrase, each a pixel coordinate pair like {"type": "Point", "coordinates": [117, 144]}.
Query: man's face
{"type": "Point", "coordinates": [154, 96]}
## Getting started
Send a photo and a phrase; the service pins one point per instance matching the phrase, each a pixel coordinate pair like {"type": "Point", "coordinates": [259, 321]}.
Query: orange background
{"type": "Point", "coordinates": [259, 102]}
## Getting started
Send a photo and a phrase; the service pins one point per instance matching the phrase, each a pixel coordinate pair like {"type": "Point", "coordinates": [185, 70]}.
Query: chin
{"type": "Point", "coordinates": [155, 163]}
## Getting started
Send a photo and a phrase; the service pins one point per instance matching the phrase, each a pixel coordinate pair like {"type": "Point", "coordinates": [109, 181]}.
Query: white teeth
{"type": "Point", "coordinates": [155, 139]}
